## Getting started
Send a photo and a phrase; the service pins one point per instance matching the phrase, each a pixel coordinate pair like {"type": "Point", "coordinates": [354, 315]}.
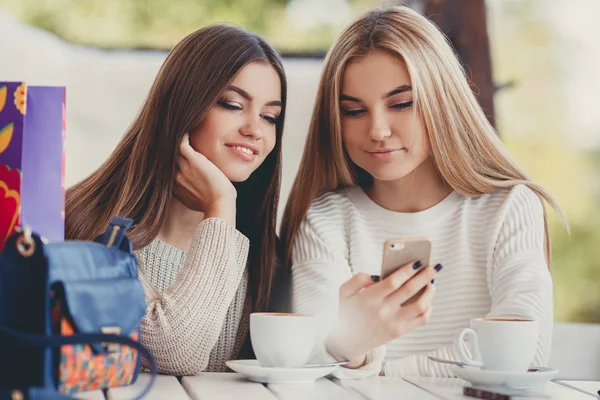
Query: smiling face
{"type": "Point", "coordinates": [380, 130]}
{"type": "Point", "coordinates": [239, 130]}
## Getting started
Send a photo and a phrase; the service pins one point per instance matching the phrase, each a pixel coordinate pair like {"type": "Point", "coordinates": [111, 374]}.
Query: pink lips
{"type": "Point", "coordinates": [238, 150]}
{"type": "Point", "coordinates": [384, 153]}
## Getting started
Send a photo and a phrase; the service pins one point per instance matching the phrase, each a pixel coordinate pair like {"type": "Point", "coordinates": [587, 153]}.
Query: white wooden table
{"type": "Point", "coordinates": [230, 386]}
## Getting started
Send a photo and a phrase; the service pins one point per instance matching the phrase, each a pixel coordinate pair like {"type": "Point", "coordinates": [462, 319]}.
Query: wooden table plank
{"type": "Point", "coordinates": [91, 395]}
{"type": "Point", "coordinates": [381, 388]}
{"type": "Point", "coordinates": [452, 389]}
{"type": "Point", "coordinates": [444, 388]}
{"type": "Point", "coordinates": [165, 387]}
{"type": "Point", "coordinates": [559, 392]}
{"type": "Point", "coordinates": [224, 386]}
{"type": "Point", "coordinates": [322, 389]}
{"type": "Point", "coordinates": [591, 387]}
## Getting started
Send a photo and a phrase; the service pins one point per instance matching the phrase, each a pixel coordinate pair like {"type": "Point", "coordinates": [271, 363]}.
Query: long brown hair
{"type": "Point", "coordinates": [465, 147]}
{"type": "Point", "coordinates": [137, 180]}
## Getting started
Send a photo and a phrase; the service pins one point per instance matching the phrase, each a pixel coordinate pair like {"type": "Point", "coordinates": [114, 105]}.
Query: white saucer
{"type": "Point", "coordinates": [516, 380]}
{"type": "Point", "coordinates": [256, 373]}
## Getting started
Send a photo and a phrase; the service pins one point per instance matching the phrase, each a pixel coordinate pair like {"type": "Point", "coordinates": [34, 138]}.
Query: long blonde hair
{"type": "Point", "coordinates": [465, 147]}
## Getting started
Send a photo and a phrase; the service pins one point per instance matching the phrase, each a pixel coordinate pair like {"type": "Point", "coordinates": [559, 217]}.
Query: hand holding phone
{"type": "Point", "coordinates": [370, 314]}
{"type": "Point", "coordinates": [373, 313]}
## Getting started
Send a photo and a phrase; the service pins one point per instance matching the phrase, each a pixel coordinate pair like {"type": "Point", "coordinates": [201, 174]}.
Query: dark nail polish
{"type": "Point", "coordinates": [417, 265]}
{"type": "Point", "coordinates": [375, 278]}
{"type": "Point", "coordinates": [433, 281]}
{"type": "Point", "coordinates": [438, 267]}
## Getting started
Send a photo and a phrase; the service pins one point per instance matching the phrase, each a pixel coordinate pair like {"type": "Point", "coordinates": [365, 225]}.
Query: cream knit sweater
{"type": "Point", "coordinates": [197, 308]}
{"type": "Point", "coordinates": [491, 246]}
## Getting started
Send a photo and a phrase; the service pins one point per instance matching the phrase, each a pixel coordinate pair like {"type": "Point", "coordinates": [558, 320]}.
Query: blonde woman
{"type": "Point", "coordinates": [399, 146]}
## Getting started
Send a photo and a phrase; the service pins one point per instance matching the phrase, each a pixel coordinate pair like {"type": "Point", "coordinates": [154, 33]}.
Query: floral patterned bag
{"type": "Point", "coordinates": [69, 314]}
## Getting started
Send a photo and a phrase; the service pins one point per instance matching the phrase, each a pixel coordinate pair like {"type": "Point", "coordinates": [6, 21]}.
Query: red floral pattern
{"type": "Point", "coordinates": [10, 201]}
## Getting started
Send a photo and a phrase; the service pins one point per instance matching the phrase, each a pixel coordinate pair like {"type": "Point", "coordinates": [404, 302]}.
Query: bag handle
{"type": "Point", "coordinates": [115, 232]}
{"type": "Point", "coordinates": [83, 338]}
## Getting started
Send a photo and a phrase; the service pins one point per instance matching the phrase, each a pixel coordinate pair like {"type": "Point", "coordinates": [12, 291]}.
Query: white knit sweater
{"type": "Point", "coordinates": [491, 247]}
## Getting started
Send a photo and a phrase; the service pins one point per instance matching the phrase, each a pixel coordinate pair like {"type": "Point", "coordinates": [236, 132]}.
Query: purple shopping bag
{"type": "Point", "coordinates": [32, 159]}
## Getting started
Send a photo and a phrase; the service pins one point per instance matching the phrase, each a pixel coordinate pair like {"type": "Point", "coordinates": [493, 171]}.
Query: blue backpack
{"type": "Point", "coordinates": [70, 315]}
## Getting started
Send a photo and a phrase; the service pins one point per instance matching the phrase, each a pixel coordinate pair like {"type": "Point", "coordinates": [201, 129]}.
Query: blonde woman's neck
{"type": "Point", "coordinates": [421, 189]}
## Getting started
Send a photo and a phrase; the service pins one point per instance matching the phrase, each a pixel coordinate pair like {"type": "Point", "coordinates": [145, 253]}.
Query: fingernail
{"type": "Point", "coordinates": [438, 267]}
{"type": "Point", "coordinates": [433, 281]}
{"type": "Point", "coordinates": [417, 265]}
{"type": "Point", "coordinates": [375, 278]}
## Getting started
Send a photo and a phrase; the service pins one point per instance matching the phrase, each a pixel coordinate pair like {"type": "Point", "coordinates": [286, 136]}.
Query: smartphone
{"type": "Point", "coordinates": [400, 251]}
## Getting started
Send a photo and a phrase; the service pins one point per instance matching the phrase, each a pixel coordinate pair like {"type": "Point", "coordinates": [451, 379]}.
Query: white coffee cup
{"type": "Point", "coordinates": [283, 340]}
{"type": "Point", "coordinates": [498, 344]}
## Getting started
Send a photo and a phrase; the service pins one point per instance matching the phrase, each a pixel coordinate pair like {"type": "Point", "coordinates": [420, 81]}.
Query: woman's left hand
{"type": "Point", "coordinates": [201, 186]}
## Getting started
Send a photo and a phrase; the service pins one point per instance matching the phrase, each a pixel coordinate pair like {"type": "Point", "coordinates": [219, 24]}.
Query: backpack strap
{"type": "Point", "coordinates": [115, 232]}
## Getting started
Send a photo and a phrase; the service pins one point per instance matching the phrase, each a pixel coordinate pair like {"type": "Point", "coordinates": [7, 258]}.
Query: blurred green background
{"type": "Point", "coordinates": [160, 24]}
{"type": "Point", "coordinates": [539, 46]}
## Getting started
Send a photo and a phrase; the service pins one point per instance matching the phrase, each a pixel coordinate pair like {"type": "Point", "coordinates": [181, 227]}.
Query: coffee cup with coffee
{"type": "Point", "coordinates": [498, 344]}
{"type": "Point", "coordinates": [283, 340]}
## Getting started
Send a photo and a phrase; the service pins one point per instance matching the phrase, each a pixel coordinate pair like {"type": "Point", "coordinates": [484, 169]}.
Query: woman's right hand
{"type": "Point", "coordinates": [371, 314]}
{"type": "Point", "coordinates": [201, 186]}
